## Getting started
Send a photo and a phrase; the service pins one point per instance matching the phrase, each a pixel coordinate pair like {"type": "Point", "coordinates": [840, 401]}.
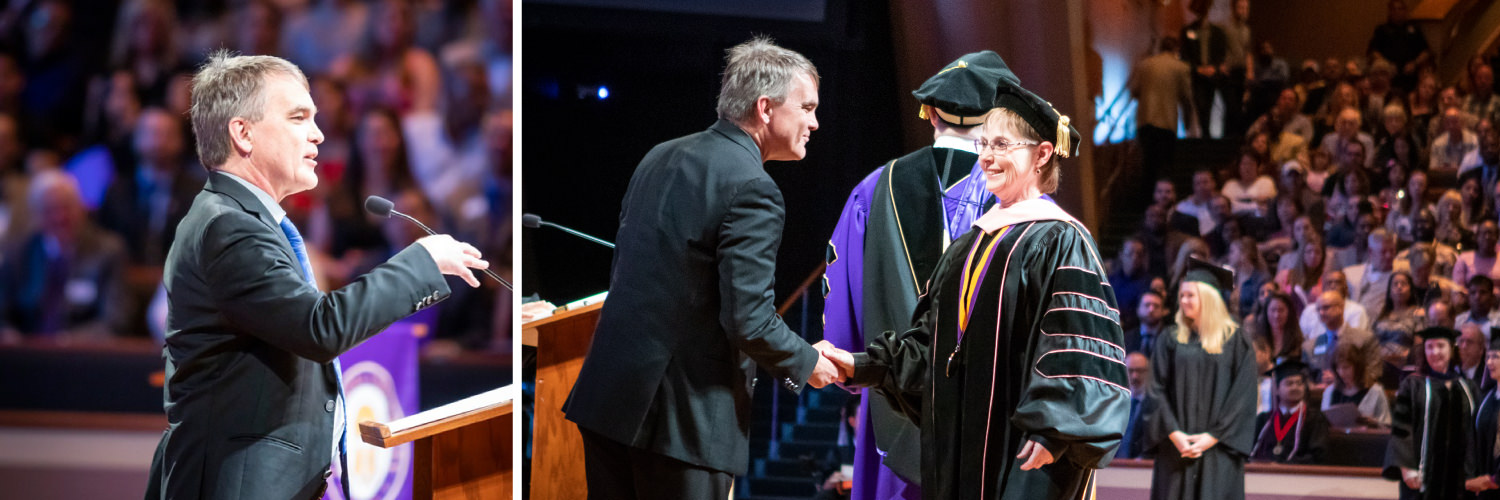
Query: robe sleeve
{"type": "Point", "coordinates": [843, 277]}
{"type": "Point", "coordinates": [1401, 450]}
{"type": "Point", "coordinates": [1074, 401]}
{"type": "Point", "coordinates": [1232, 425]}
{"type": "Point", "coordinates": [896, 363]}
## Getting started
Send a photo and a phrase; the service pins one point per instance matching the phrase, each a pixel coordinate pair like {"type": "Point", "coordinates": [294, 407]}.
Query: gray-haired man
{"type": "Point", "coordinates": [663, 398]}
{"type": "Point", "coordinates": [253, 392]}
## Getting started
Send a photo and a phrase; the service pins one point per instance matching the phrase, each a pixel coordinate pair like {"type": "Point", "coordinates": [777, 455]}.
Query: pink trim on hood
{"type": "Point", "coordinates": [1034, 209]}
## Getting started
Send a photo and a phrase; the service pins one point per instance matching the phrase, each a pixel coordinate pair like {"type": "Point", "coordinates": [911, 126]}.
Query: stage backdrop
{"type": "Point", "coordinates": [380, 383]}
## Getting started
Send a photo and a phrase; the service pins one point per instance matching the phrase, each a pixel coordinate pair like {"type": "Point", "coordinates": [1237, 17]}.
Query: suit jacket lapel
{"type": "Point", "coordinates": [220, 183]}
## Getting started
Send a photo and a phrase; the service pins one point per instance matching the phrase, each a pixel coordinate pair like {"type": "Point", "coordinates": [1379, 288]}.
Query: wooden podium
{"type": "Point", "coordinates": [561, 341]}
{"type": "Point", "coordinates": [462, 450]}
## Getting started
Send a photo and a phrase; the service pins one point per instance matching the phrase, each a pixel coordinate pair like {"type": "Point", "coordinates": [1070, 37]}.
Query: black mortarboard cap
{"type": "Point", "coordinates": [1438, 332]}
{"type": "Point", "coordinates": [1211, 274]}
{"type": "Point", "coordinates": [1037, 112]}
{"type": "Point", "coordinates": [963, 92]}
{"type": "Point", "coordinates": [1288, 368]}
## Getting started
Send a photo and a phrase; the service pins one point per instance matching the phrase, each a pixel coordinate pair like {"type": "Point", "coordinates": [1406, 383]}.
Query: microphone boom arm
{"type": "Point", "coordinates": [577, 233]}
{"type": "Point", "coordinates": [431, 232]}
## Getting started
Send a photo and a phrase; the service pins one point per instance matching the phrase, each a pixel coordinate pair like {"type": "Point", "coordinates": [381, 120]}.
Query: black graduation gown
{"type": "Point", "coordinates": [1040, 360]}
{"type": "Point", "coordinates": [1487, 441]}
{"type": "Point", "coordinates": [1202, 392]}
{"type": "Point", "coordinates": [1305, 443]}
{"type": "Point", "coordinates": [1430, 432]}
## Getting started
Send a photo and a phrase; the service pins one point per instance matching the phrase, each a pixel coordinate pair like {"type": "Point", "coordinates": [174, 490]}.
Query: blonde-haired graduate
{"type": "Point", "coordinates": [1205, 374]}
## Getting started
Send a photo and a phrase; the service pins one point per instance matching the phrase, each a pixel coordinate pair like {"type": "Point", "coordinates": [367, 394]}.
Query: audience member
{"type": "Point", "coordinates": [1400, 218]}
{"type": "Point", "coordinates": [1251, 192]}
{"type": "Point", "coordinates": [1161, 241]}
{"type": "Point", "coordinates": [1485, 162]}
{"type": "Point", "coordinates": [1482, 101]}
{"type": "Point", "coordinates": [1449, 148]}
{"type": "Point", "coordinates": [1368, 282]}
{"type": "Point", "coordinates": [1335, 330]}
{"type": "Point", "coordinates": [1401, 42]}
{"type": "Point", "coordinates": [1346, 131]}
{"type": "Point", "coordinates": [1153, 313]}
{"type": "Point", "coordinates": [1395, 141]}
{"type": "Point", "coordinates": [1303, 278]}
{"type": "Point", "coordinates": [1470, 347]}
{"type": "Point", "coordinates": [1129, 277]}
{"type": "Point", "coordinates": [1249, 272]}
{"type": "Point", "coordinates": [1142, 406]}
{"type": "Point", "coordinates": [1482, 311]}
{"type": "Point", "coordinates": [1355, 384]}
{"type": "Point", "coordinates": [1359, 251]}
{"type": "Point", "coordinates": [62, 281]}
{"type": "Point", "coordinates": [1163, 90]}
{"type": "Point", "coordinates": [1205, 188]}
{"type": "Point", "coordinates": [1205, 49]}
{"type": "Point", "coordinates": [1274, 324]}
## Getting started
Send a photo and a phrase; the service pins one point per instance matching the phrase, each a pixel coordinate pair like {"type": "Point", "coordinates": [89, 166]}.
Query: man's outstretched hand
{"type": "Point", "coordinates": [841, 359]}
{"type": "Point", "coordinates": [454, 258]}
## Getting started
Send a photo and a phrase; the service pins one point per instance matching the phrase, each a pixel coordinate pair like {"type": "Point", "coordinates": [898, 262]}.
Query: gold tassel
{"type": "Point", "coordinates": [922, 111]}
{"type": "Point", "coordinates": [1064, 142]}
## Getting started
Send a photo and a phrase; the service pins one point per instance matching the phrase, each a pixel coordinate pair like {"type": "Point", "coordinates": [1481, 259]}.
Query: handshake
{"type": "Point", "coordinates": [834, 365]}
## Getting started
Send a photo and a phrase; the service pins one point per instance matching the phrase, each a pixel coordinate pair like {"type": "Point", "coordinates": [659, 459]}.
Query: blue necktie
{"type": "Point", "coordinates": [300, 250]}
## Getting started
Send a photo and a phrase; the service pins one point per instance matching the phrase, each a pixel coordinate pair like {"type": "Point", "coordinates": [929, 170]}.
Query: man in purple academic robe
{"type": "Point", "coordinates": [893, 229]}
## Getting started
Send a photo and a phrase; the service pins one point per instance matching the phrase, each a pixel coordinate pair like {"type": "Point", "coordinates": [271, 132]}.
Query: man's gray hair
{"type": "Point", "coordinates": [758, 68]}
{"type": "Point", "coordinates": [228, 86]}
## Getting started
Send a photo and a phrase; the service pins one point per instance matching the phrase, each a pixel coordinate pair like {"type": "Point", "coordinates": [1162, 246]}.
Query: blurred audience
{"type": "Point", "coordinates": [413, 103]}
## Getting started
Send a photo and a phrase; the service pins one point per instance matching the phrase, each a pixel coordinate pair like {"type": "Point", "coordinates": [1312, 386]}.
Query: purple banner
{"type": "Point", "coordinates": [380, 384]}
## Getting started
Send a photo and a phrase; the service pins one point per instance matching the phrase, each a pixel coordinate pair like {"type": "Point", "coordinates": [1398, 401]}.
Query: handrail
{"type": "Point", "coordinates": [802, 289]}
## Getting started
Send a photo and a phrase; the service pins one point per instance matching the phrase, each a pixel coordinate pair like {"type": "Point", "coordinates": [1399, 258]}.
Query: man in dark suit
{"type": "Point", "coordinates": [253, 392]}
{"type": "Point", "coordinates": [663, 398]}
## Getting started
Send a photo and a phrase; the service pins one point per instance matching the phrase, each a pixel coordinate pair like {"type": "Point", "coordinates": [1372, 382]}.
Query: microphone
{"type": "Point", "coordinates": [535, 221]}
{"type": "Point", "coordinates": [384, 208]}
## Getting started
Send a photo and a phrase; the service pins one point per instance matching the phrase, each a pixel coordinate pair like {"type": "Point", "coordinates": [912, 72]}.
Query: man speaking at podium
{"type": "Point", "coordinates": [663, 398]}
{"type": "Point", "coordinates": [253, 393]}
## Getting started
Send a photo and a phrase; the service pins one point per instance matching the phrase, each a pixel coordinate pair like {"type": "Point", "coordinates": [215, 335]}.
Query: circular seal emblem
{"type": "Point", "coordinates": [374, 473]}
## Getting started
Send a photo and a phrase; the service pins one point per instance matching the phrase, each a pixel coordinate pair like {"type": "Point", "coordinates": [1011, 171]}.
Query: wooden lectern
{"type": "Point", "coordinates": [561, 341]}
{"type": "Point", "coordinates": [462, 450]}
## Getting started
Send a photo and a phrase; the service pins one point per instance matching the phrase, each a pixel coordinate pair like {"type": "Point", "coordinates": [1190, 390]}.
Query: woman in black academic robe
{"type": "Point", "coordinates": [1014, 370]}
{"type": "Point", "coordinates": [1430, 452]}
{"type": "Point", "coordinates": [1206, 378]}
{"type": "Point", "coordinates": [1486, 480]}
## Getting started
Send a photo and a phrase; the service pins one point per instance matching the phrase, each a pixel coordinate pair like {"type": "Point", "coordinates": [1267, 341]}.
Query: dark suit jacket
{"type": "Point", "coordinates": [690, 300]}
{"type": "Point", "coordinates": [250, 387]}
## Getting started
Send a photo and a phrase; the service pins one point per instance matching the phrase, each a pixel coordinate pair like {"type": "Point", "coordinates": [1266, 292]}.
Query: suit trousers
{"type": "Point", "coordinates": [619, 471]}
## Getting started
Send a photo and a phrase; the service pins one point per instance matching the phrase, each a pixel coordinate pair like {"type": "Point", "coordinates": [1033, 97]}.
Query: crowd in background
{"type": "Point", "coordinates": [1363, 197]}
{"type": "Point", "coordinates": [98, 165]}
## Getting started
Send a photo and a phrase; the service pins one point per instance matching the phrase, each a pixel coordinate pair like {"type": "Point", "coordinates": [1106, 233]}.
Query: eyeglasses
{"type": "Point", "coordinates": [1000, 146]}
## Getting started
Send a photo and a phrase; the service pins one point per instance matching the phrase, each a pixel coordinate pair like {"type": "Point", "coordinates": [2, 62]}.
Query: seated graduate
{"type": "Point", "coordinates": [1292, 432]}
